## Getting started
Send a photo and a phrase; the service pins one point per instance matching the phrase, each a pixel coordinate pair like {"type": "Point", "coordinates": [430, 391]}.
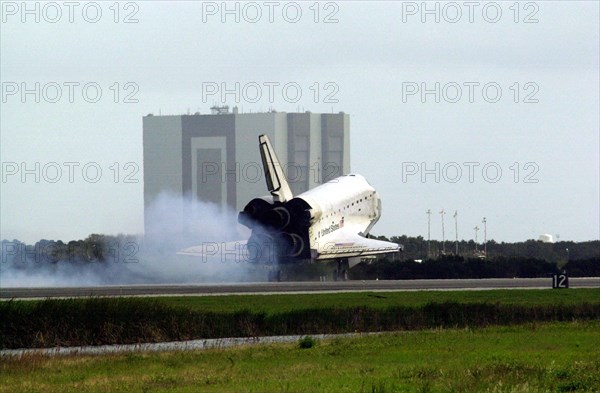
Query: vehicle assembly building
{"type": "Point", "coordinates": [213, 157]}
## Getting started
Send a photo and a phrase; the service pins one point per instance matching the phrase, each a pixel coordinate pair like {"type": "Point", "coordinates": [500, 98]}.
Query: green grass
{"type": "Point", "coordinates": [549, 357]}
{"type": "Point", "coordinates": [289, 302]}
{"type": "Point", "coordinates": [97, 321]}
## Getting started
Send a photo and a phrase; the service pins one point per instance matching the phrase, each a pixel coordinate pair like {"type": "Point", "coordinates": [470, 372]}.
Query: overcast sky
{"type": "Point", "coordinates": [514, 136]}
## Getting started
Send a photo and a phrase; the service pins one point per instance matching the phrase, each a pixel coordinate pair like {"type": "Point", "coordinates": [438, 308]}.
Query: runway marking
{"type": "Point", "coordinates": [315, 287]}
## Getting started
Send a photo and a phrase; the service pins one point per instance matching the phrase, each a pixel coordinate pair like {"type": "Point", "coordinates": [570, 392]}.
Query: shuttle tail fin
{"type": "Point", "coordinates": [276, 181]}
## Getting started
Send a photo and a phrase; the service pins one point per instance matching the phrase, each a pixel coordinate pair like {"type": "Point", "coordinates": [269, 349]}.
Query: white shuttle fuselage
{"type": "Point", "coordinates": [346, 204]}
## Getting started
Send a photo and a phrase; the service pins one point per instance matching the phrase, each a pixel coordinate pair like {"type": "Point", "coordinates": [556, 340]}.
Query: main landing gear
{"type": "Point", "coordinates": [341, 273]}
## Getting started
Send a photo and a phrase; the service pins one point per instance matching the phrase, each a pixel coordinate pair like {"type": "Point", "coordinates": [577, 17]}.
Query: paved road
{"type": "Point", "coordinates": [291, 287]}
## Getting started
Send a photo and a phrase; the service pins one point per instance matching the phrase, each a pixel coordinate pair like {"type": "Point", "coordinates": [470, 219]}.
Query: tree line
{"type": "Point", "coordinates": [94, 248]}
{"type": "Point", "coordinates": [418, 248]}
{"type": "Point", "coordinates": [453, 266]}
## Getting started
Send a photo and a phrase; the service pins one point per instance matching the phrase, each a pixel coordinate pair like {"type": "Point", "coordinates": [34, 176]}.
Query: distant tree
{"type": "Point", "coordinates": [583, 267]}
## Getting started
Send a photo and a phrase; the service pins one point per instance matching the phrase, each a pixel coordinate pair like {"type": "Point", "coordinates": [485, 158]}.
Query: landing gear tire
{"type": "Point", "coordinates": [341, 273]}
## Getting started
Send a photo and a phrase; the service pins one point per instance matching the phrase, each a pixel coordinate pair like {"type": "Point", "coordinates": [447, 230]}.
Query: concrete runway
{"type": "Point", "coordinates": [291, 287]}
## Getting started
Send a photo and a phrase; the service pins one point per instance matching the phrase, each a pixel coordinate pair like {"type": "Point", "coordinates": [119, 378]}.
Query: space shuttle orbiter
{"type": "Point", "coordinates": [330, 221]}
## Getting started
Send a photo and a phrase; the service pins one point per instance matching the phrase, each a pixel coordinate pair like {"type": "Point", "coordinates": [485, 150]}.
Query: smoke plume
{"type": "Point", "coordinates": [173, 223]}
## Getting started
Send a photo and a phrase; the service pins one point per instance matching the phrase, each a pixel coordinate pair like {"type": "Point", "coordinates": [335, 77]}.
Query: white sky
{"type": "Point", "coordinates": [368, 55]}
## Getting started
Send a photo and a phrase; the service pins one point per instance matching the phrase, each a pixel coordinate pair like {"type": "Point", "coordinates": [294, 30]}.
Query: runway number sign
{"type": "Point", "coordinates": [560, 280]}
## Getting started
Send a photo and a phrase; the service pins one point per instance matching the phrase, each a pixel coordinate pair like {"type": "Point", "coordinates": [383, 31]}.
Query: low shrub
{"type": "Point", "coordinates": [306, 342]}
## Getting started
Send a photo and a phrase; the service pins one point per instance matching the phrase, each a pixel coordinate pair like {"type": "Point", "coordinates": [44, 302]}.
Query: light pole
{"type": "Point", "coordinates": [428, 212]}
{"type": "Point", "coordinates": [476, 230]}
{"type": "Point", "coordinates": [456, 229]}
{"type": "Point", "coordinates": [484, 236]}
{"type": "Point", "coordinates": [443, 233]}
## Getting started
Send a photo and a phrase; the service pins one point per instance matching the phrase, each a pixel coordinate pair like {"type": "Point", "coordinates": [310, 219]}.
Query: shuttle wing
{"type": "Point", "coordinates": [348, 243]}
{"type": "Point", "coordinates": [219, 251]}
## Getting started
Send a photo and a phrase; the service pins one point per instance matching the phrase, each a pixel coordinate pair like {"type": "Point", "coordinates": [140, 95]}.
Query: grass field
{"type": "Point", "coordinates": [290, 302]}
{"type": "Point", "coordinates": [97, 321]}
{"type": "Point", "coordinates": [548, 357]}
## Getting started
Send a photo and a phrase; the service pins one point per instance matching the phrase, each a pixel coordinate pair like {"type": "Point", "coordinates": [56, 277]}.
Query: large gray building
{"type": "Point", "coordinates": [215, 157]}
